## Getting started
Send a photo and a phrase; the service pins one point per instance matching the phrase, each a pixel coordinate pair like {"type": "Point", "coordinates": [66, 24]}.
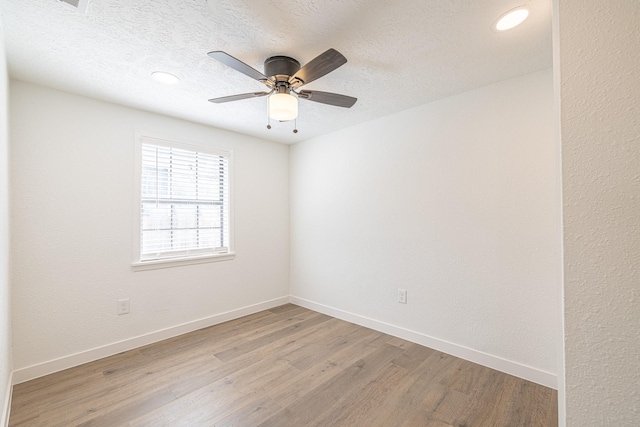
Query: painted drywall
{"type": "Point", "coordinates": [72, 226]}
{"type": "Point", "coordinates": [457, 202]}
{"type": "Point", "coordinates": [600, 126]}
{"type": "Point", "coordinates": [5, 312]}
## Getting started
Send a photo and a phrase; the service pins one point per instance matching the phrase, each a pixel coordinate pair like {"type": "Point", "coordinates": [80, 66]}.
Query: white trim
{"type": "Point", "coordinates": [6, 410]}
{"type": "Point", "coordinates": [164, 140]}
{"type": "Point", "coordinates": [557, 82]}
{"type": "Point", "coordinates": [519, 370]}
{"type": "Point", "coordinates": [46, 368]}
{"type": "Point", "coordinates": [175, 262]}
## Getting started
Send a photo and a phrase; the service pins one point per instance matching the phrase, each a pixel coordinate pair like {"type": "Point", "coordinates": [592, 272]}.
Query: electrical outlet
{"type": "Point", "coordinates": [402, 296]}
{"type": "Point", "coordinates": [123, 306]}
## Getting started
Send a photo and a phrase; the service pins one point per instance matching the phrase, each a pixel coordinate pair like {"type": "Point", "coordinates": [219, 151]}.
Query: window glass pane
{"type": "Point", "coordinates": [210, 238]}
{"type": "Point", "coordinates": [156, 217]}
{"type": "Point", "coordinates": [155, 241]}
{"type": "Point", "coordinates": [185, 239]}
{"type": "Point", "coordinates": [209, 216]}
{"type": "Point", "coordinates": [148, 181]}
{"type": "Point", "coordinates": [184, 200]}
{"type": "Point", "coordinates": [209, 186]}
{"type": "Point", "coordinates": [183, 178]}
{"type": "Point", "coordinates": [185, 216]}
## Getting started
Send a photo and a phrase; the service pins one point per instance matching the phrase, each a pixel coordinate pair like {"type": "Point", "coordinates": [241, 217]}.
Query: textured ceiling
{"type": "Point", "coordinates": [401, 53]}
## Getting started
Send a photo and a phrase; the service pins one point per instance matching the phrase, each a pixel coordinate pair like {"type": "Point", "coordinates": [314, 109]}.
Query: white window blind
{"type": "Point", "coordinates": [184, 201]}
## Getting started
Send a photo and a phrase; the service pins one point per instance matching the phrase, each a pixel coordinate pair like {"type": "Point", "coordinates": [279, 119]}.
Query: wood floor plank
{"type": "Point", "coordinates": [330, 337]}
{"type": "Point", "coordinates": [308, 409]}
{"type": "Point", "coordinates": [408, 398]}
{"type": "Point", "coordinates": [216, 400]}
{"type": "Point", "coordinates": [255, 343]}
{"type": "Point", "coordinates": [309, 380]}
{"type": "Point", "coordinates": [413, 356]}
{"type": "Point", "coordinates": [113, 389]}
{"type": "Point", "coordinates": [283, 308]}
{"type": "Point", "coordinates": [121, 414]}
{"type": "Point", "coordinates": [355, 409]}
{"type": "Point", "coordinates": [451, 406]}
{"type": "Point", "coordinates": [249, 415]}
{"type": "Point", "coordinates": [269, 352]}
{"type": "Point", "coordinates": [434, 395]}
{"type": "Point", "coordinates": [285, 367]}
{"type": "Point", "coordinates": [69, 378]}
{"type": "Point", "coordinates": [224, 337]}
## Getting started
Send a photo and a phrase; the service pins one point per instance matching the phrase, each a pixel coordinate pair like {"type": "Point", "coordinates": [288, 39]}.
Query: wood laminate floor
{"type": "Point", "coordinates": [284, 367]}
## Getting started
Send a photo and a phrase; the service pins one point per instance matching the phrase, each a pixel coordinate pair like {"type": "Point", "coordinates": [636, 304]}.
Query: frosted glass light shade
{"type": "Point", "coordinates": [283, 107]}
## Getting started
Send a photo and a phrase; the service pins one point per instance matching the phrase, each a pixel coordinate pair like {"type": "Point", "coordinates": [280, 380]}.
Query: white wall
{"type": "Point", "coordinates": [458, 202]}
{"type": "Point", "coordinates": [5, 312]}
{"type": "Point", "coordinates": [600, 121]}
{"type": "Point", "coordinates": [72, 222]}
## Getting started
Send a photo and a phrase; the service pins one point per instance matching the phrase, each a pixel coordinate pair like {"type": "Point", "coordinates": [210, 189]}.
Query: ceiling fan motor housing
{"type": "Point", "coordinates": [280, 67]}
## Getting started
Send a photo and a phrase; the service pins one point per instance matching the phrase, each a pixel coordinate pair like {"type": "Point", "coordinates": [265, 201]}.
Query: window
{"type": "Point", "coordinates": [182, 205]}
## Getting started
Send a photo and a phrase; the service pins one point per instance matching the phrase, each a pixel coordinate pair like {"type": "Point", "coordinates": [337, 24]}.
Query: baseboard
{"type": "Point", "coordinates": [6, 409]}
{"type": "Point", "coordinates": [519, 370]}
{"type": "Point", "coordinates": [494, 362]}
{"type": "Point", "coordinates": [56, 365]}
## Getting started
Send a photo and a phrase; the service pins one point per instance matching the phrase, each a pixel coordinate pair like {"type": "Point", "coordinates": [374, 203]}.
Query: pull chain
{"type": "Point", "coordinates": [268, 117]}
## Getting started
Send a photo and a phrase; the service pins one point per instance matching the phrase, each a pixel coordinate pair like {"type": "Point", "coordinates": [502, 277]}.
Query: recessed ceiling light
{"type": "Point", "coordinates": [166, 78]}
{"type": "Point", "coordinates": [511, 19]}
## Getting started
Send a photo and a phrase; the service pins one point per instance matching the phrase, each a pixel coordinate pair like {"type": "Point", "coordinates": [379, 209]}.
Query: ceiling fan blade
{"type": "Point", "coordinates": [328, 98]}
{"type": "Point", "coordinates": [319, 66]}
{"type": "Point", "coordinates": [237, 65]}
{"type": "Point", "coordinates": [238, 97]}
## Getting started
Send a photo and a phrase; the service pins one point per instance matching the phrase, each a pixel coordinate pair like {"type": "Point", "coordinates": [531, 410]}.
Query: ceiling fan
{"type": "Point", "coordinates": [284, 77]}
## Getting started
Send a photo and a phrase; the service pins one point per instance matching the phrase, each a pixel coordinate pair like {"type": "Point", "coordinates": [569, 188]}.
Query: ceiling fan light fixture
{"type": "Point", "coordinates": [511, 19]}
{"type": "Point", "coordinates": [283, 107]}
{"type": "Point", "coordinates": [166, 78]}
{"type": "Point", "coordinates": [283, 76]}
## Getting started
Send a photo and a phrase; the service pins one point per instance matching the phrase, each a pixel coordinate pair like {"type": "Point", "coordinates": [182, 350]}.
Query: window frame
{"type": "Point", "coordinates": [186, 259]}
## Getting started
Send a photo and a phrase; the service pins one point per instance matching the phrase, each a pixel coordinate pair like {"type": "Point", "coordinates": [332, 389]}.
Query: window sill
{"type": "Point", "coordinates": [177, 262]}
